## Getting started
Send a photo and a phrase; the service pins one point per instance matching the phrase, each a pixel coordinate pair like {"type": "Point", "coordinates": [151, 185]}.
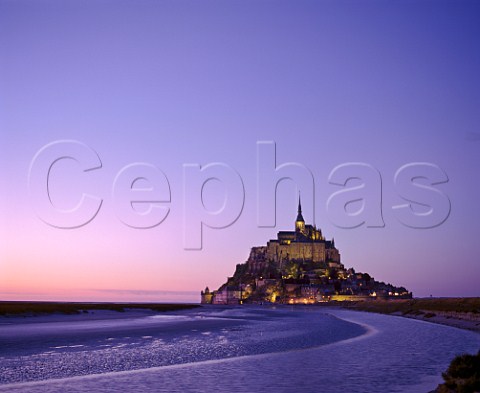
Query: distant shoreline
{"type": "Point", "coordinates": [41, 308]}
{"type": "Point", "coordinates": [462, 313]}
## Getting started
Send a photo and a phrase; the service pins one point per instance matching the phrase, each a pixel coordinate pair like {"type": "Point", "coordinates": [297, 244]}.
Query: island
{"type": "Point", "coordinates": [299, 266]}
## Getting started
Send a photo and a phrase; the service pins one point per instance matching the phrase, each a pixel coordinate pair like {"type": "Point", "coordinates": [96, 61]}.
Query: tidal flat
{"type": "Point", "coordinates": [227, 348]}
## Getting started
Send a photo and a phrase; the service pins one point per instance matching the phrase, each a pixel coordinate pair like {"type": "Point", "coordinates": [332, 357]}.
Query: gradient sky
{"type": "Point", "coordinates": [175, 82]}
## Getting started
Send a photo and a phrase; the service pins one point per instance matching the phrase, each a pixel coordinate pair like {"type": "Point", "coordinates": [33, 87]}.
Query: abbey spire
{"type": "Point", "coordinates": [300, 222]}
{"type": "Point", "coordinates": [299, 215]}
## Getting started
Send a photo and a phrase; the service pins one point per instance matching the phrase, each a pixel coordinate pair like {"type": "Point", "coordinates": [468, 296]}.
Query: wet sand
{"type": "Point", "coordinates": [236, 349]}
{"type": "Point", "coordinates": [462, 313]}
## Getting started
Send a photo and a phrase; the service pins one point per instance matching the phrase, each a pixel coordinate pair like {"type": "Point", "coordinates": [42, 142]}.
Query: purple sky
{"type": "Point", "coordinates": [186, 82]}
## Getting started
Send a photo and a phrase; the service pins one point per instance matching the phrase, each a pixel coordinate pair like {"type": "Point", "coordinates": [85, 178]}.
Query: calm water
{"type": "Point", "coordinates": [243, 349]}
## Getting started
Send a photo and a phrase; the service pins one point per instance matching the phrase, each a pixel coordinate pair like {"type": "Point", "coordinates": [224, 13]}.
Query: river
{"type": "Point", "coordinates": [228, 349]}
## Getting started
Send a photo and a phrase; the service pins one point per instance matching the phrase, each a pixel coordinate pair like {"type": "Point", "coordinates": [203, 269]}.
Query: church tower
{"type": "Point", "coordinates": [300, 222]}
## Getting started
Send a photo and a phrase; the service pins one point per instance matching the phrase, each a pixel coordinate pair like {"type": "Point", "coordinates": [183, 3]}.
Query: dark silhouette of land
{"type": "Point", "coordinates": [463, 375]}
{"type": "Point", "coordinates": [463, 313]}
{"type": "Point", "coordinates": [16, 308]}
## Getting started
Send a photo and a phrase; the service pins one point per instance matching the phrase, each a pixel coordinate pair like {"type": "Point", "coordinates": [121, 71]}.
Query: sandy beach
{"type": "Point", "coordinates": [462, 313]}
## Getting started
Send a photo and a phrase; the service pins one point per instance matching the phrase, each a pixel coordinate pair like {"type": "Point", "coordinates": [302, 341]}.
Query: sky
{"type": "Point", "coordinates": [168, 114]}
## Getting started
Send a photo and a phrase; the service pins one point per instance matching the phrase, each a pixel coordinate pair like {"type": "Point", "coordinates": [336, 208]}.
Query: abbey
{"type": "Point", "coordinates": [298, 266]}
{"type": "Point", "coordinates": [305, 244]}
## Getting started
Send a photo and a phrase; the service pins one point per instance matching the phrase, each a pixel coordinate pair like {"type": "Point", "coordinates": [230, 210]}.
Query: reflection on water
{"type": "Point", "coordinates": [244, 349]}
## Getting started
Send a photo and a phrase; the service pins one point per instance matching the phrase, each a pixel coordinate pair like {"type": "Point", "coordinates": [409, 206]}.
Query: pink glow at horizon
{"type": "Point", "coordinates": [167, 84]}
